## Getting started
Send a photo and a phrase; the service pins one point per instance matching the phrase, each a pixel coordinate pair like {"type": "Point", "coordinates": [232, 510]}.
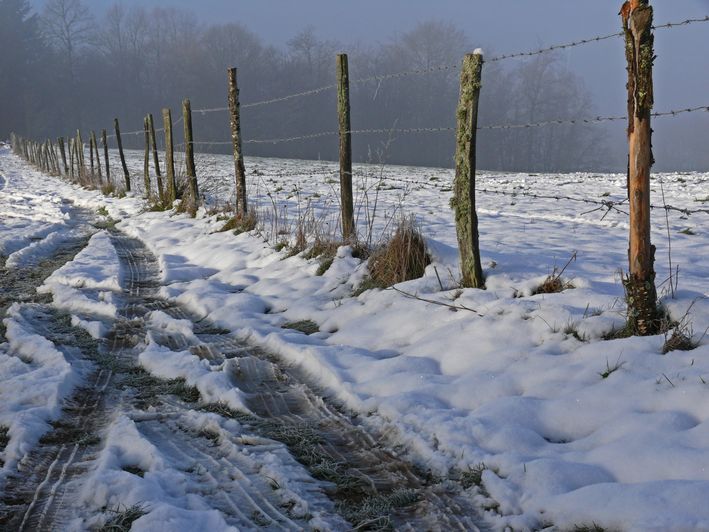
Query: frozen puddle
{"type": "Point", "coordinates": [134, 450]}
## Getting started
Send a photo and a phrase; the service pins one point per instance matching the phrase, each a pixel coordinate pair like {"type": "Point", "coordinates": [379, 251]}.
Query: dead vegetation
{"type": "Point", "coordinates": [555, 282]}
{"type": "Point", "coordinates": [241, 223]}
{"type": "Point", "coordinates": [401, 258]}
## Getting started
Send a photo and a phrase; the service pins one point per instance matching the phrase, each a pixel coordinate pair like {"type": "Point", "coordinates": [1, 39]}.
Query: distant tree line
{"type": "Point", "coordinates": [63, 69]}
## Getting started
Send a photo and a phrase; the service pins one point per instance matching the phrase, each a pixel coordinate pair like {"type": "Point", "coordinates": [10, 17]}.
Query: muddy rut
{"type": "Point", "coordinates": [356, 478]}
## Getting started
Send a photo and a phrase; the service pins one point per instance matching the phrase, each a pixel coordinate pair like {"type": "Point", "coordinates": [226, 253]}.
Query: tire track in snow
{"type": "Point", "coordinates": [45, 492]}
{"type": "Point", "coordinates": [372, 487]}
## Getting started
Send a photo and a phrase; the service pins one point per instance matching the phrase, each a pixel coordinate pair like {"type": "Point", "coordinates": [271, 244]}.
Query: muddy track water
{"type": "Point", "coordinates": [372, 487]}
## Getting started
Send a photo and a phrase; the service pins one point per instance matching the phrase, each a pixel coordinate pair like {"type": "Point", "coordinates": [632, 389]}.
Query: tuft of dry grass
{"type": "Point", "coordinates": [402, 257]}
{"type": "Point", "coordinates": [241, 223]}
{"type": "Point", "coordinates": [553, 284]}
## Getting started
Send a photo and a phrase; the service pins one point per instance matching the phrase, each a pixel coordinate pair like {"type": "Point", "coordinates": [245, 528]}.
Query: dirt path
{"type": "Point", "coordinates": [352, 474]}
{"type": "Point", "coordinates": [371, 487]}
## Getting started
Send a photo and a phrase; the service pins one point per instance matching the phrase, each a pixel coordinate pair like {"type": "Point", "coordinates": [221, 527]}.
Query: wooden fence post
{"type": "Point", "coordinates": [146, 159]}
{"type": "Point", "coordinates": [189, 153]}
{"type": "Point", "coordinates": [343, 111]}
{"type": "Point", "coordinates": [120, 151]}
{"type": "Point", "coordinates": [466, 218]}
{"type": "Point", "coordinates": [62, 151]}
{"type": "Point", "coordinates": [156, 159]}
{"type": "Point", "coordinates": [91, 157]}
{"type": "Point", "coordinates": [169, 157]}
{"type": "Point", "coordinates": [104, 139]}
{"type": "Point", "coordinates": [98, 157]}
{"type": "Point", "coordinates": [235, 122]}
{"type": "Point", "coordinates": [641, 294]}
{"type": "Point", "coordinates": [80, 155]}
{"type": "Point", "coordinates": [71, 157]}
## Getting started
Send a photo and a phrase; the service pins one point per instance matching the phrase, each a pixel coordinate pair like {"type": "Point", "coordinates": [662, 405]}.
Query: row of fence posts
{"type": "Point", "coordinates": [639, 50]}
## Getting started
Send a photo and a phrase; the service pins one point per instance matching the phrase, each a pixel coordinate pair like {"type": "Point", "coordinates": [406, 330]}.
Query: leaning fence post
{"type": "Point", "coordinates": [146, 159]}
{"type": "Point", "coordinates": [235, 122]}
{"type": "Point", "coordinates": [156, 159]}
{"type": "Point", "coordinates": [80, 155]}
{"type": "Point", "coordinates": [98, 157]}
{"type": "Point", "coordinates": [169, 156]}
{"type": "Point", "coordinates": [104, 139]}
{"type": "Point", "coordinates": [120, 151]}
{"type": "Point", "coordinates": [62, 151]}
{"type": "Point", "coordinates": [91, 157]}
{"type": "Point", "coordinates": [640, 288]}
{"type": "Point", "coordinates": [466, 218]}
{"type": "Point", "coordinates": [343, 111]}
{"type": "Point", "coordinates": [189, 152]}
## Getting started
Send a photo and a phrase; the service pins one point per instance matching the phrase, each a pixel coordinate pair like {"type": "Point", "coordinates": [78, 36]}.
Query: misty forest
{"type": "Point", "coordinates": [73, 68]}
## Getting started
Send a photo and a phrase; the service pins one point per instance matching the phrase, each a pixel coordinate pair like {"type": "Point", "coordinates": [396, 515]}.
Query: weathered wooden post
{"type": "Point", "coordinates": [62, 151]}
{"type": "Point", "coordinates": [189, 153]}
{"type": "Point", "coordinates": [98, 157]}
{"type": "Point", "coordinates": [640, 288]}
{"type": "Point", "coordinates": [156, 159]}
{"type": "Point", "coordinates": [169, 156]}
{"type": "Point", "coordinates": [104, 139]}
{"type": "Point", "coordinates": [72, 161]}
{"type": "Point", "coordinates": [126, 175]}
{"type": "Point", "coordinates": [91, 157]}
{"type": "Point", "coordinates": [80, 155]}
{"type": "Point", "coordinates": [146, 159]}
{"type": "Point", "coordinates": [235, 122]}
{"type": "Point", "coordinates": [466, 218]}
{"type": "Point", "coordinates": [343, 112]}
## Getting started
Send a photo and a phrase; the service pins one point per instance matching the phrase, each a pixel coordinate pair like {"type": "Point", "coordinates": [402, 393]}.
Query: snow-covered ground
{"type": "Point", "coordinates": [571, 429]}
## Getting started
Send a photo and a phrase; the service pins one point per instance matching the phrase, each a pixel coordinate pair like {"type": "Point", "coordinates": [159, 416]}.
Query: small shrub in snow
{"type": "Point", "coordinates": [611, 369]}
{"type": "Point", "coordinates": [402, 258]}
{"type": "Point", "coordinates": [473, 477]}
{"type": "Point", "coordinates": [304, 326]}
{"type": "Point", "coordinates": [122, 519]}
{"type": "Point", "coordinates": [241, 224]}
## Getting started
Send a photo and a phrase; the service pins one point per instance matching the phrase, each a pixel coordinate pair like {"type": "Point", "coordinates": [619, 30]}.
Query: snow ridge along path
{"type": "Point", "coordinates": [371, 486]}
{"type": "Point", "coordinates": [123, 432]}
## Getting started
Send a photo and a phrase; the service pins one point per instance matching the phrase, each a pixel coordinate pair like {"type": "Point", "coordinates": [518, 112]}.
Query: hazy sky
{"type": "Point", "coordinates": [682, 74]}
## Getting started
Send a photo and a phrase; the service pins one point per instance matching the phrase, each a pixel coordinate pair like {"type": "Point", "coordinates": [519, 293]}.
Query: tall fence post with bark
{"type": "Point", "coordinates": [146, 157]}
{"type": "Point", "coordinates": [235, 123]}
{"type": "Point", "coordinates": [156, 159]}
{"type": "Point", "coordinates": [640, 288]}
{"type": "Point", "coordinates": [189, 154]}
{"type": "Point", "coordinates": [98, 157]}
{"type": "Point", "coordinates": [343, 112]}
{"type": "Point", "coordinates": [126, 174]}
{"type": "Point", "coordinates": [463, 202]}
{"type": "Point", "coordinates": [62, 151]}
{"type": "Point", "coordinates": [105, 155]}
{"type": "Point", "coordinates": [169, 157]}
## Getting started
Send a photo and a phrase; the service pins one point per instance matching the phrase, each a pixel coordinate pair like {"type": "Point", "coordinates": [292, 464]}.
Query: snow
{"type": "Point", "coordinates": [518, 382]}
{"type": "Point", "coordinates": [36, 377]}
{"type": "Point", "coordinates": [211, 380]}
{"type": "Point", "coordinates": [94, 267]}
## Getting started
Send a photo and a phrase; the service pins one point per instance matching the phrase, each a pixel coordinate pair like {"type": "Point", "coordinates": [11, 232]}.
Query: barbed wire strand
{"type": "Point", "coordinates": [601, 203]}
{"type": "Point", "coordinates": [574, 121]}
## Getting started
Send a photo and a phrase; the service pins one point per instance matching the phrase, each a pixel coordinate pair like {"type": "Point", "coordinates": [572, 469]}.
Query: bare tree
{"type": "Point", "coordinates": [68, 25]}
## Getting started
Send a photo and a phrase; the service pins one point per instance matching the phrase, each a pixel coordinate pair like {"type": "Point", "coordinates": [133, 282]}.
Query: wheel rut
{"type": "Point", "coordinates": [349, 474]}
{"type": "Point", "coordinates": [222, 466]}
{"type": "Point", "coordinates": [372, 487]}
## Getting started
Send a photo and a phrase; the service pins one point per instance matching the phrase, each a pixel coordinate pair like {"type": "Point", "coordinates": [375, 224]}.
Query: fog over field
{"type": "Point", "coordinates": [129, 58]}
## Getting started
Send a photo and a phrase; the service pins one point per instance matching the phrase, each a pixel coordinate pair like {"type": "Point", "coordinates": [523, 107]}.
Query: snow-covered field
{"type": "Point", "coordinates": [571, 429]}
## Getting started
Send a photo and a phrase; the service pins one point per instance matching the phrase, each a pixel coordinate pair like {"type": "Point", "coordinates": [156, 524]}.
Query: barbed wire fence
{"type": "Point", "coordinates": [379, 79]}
